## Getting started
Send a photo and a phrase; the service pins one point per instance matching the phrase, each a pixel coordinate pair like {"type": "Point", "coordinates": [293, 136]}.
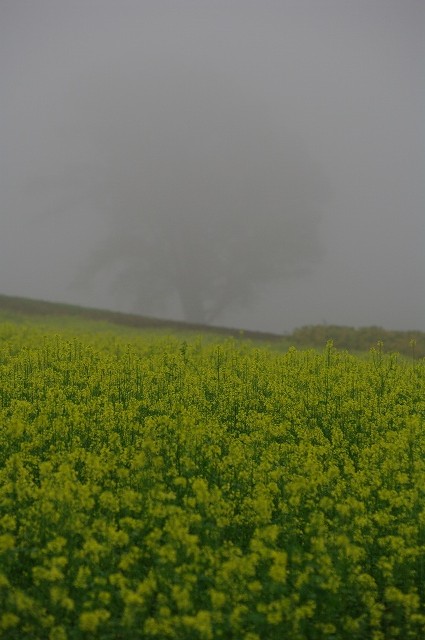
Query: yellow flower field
{"type": "Point", "coordinates": [157, 488]}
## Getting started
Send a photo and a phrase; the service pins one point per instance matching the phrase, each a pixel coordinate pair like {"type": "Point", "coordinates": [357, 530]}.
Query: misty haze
{"type": "Point", "coordinates": [252, 164]}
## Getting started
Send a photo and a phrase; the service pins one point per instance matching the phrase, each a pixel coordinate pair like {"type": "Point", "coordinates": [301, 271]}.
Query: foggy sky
{"type": "Point", "coordinates": [91, 89]}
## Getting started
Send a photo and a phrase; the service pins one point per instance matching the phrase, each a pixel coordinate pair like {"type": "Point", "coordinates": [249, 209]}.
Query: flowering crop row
{"type": "Point", "coordinates": [181, 490]}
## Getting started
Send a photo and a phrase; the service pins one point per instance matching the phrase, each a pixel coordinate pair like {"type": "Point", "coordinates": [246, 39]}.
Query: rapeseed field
{"type": "Point", "coordinates": [158, 488]}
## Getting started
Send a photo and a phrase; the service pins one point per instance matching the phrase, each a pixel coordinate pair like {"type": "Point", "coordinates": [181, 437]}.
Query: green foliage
{"type": "Point", "coordinates": [157, 488]}
{"type": "Point", "coordinates": [408, 343]}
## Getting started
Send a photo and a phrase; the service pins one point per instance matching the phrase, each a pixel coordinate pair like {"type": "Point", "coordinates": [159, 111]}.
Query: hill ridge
{"type": "Point", "coordinates": [408, 343]}
{"type": "Point", "coordinates": [32, 306]}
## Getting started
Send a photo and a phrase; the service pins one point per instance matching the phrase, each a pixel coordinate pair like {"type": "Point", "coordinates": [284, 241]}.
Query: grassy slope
{"type": "Point", "coordinates": [409, 343]}
{"type": "Point", "coordinates": [58, 316]}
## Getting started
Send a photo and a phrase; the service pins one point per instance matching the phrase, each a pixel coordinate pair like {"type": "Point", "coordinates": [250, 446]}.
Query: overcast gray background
{"type": "Point", "coordinates": [343, 79]}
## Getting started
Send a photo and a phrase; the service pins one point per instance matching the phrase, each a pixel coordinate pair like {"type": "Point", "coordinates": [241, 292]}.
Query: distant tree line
{"type": "Point", "coordinates": [408, 343]}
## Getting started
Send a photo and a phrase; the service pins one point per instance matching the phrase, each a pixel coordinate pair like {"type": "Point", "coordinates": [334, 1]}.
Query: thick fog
{"type": "Point", "coordinates": [247, 163]}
